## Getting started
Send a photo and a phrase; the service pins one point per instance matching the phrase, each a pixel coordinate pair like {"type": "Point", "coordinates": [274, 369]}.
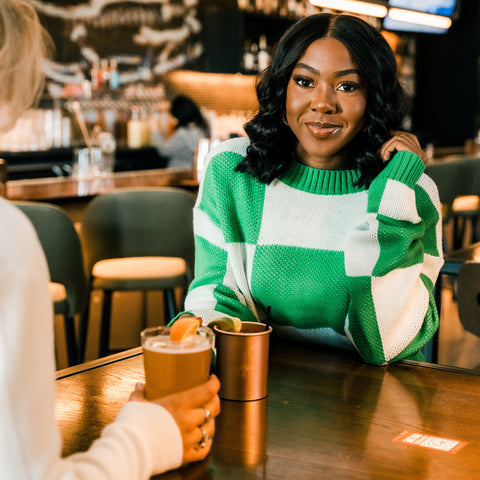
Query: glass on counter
{"type": "Point", "coordinates": [38, 129]}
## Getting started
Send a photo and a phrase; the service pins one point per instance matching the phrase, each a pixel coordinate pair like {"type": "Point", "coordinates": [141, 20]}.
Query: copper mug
{"type": "Point", "coordinates": [242, 361]}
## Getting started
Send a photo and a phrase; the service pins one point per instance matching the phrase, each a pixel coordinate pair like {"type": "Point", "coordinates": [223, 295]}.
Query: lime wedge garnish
{"type": "Point", "coordinates": [228, 324]}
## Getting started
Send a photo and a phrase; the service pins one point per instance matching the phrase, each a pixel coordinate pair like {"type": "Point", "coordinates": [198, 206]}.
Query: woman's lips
{"type": "Point", "coordinates": [323, 130]}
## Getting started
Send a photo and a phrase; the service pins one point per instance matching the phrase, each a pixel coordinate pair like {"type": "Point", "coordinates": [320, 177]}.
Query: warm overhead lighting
{"type": "Point", "coordinates": [362, 8]}
{"type": "Point", "coordinates": [419, 18]}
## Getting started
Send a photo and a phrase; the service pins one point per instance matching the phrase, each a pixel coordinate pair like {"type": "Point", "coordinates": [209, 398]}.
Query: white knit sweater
{"type": "Point", "coordinates": [144, 440]}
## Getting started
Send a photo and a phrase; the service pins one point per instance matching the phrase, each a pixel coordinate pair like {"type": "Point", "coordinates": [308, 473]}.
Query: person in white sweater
{"type": "Point", "coordinates": [147, 438]}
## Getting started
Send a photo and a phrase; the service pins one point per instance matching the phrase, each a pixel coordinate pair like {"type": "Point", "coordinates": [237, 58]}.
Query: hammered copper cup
{"type": "Point", "coordinates": [242, 361]}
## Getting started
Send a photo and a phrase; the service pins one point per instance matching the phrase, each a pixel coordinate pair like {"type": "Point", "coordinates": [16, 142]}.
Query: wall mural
{"type": "Point", "coordinates": [144, 38]}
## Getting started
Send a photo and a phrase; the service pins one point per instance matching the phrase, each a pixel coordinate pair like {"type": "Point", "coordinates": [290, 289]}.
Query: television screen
{"type": "Point", "coordinates": [445, 8]}
{"type": "Point", "coordinates": [396, 26]}
{"type": "Point", "coordinates": [435, 7]}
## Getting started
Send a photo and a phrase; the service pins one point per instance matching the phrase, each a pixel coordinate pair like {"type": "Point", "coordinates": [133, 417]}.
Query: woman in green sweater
{"type": "Point", "coordinates": [322, 218]}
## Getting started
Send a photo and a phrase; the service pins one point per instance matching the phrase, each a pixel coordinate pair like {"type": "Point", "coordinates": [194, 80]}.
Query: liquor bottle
{"type": "Point", "coordinates": [248, 59]}
{"type": "Point", "coordinates": [105, 71]}
{"type": "Point", "coordinates": [114, 75]}
{"type": "Point", "coordinates": [263, 55]}
{"type": "Point", "coordinates": [135, 129]}
{"type": "Point", "coordinates": [95, 77]}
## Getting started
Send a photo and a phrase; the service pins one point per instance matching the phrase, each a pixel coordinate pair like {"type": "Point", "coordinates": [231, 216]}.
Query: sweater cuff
{"type": "Point", "coordinates": [160, 431]}
{"type": "Point", "coordinates": [406, 167]}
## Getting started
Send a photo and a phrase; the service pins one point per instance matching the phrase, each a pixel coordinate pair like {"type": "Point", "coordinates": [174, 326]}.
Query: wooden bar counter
{"type": "Point", "coordinates": [74, 195]}
{"type": "Point", "coordinates": [58, 188]}
{"type": "Point", "coordinates": [328, 415]}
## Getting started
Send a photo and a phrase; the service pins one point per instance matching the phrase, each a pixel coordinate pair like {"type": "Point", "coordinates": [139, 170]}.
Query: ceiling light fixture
{"type": "Point", "coordinates": [409, 16]}
{"type": "Point", "coordinates": [362, 8]}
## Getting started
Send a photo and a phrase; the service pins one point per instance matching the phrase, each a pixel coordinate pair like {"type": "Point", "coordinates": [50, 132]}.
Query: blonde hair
{"type": "Point", "coordinates": [24, 44]}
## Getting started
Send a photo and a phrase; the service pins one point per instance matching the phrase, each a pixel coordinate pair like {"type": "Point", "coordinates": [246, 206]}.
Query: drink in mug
{"type": "Point", "coordinates": [174, 366]}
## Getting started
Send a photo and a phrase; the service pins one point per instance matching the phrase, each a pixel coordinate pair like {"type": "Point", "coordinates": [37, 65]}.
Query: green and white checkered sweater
{"type": "Point", "coordinates": [336, 264]}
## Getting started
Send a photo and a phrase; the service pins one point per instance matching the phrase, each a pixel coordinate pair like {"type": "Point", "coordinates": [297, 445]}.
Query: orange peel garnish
{"type": "Point", "coordinates": [184, 328]}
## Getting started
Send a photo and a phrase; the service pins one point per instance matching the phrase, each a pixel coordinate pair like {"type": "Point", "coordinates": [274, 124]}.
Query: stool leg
{"type": "Point", "coordinates": [437, 292]}
{"type": "Point", "coordinates": [144, 315]}
{"type": "Point", "coordinates": [458, 232]}
{"type": "Point", "coordinates": [70, 339]}
{"type": "Point", "coordinates": [83, 331]}
{"type": "Point", "coordinates": [106, 320]}
{"type": "Point", "coordinates": [170, 308]}
{"type": "Point", "coordinates": [474, 221]}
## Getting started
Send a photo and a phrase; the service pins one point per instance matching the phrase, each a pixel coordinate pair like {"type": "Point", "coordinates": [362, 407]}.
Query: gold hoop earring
{"type": "Point", "coordinates": [284, 119]}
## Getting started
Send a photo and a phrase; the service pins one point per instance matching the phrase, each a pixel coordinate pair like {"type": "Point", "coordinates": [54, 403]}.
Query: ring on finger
{"type": "Point", "coordinates": [208, 415]}
{"type": "Point", "coordinates": [203, 441]}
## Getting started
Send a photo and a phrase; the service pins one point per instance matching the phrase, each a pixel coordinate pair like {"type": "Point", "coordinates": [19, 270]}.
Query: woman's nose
{"type": "Point", "coordinates": [324, 100]}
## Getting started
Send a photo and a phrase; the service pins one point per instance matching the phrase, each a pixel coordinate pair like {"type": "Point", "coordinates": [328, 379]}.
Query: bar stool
{"type": "Point", "coordinates": [62, 248]}
{"type": "Point", "coordinates": [447, 175]}
{"type": "Point", "coordinates": [466, 207]}
{"type": "Point", "coordinates": [137, 240]}
{"type": "Point", "coordinates": [468, 296]}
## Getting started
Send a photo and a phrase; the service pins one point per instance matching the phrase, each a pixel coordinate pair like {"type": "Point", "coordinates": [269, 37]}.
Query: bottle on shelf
{"type": "Point", "coordinates": [476, 144]}
{"type": "Point", "coordinates": [135, 129]}
{"type": "Point", "coordinates": [263, 54]}
{"type": "Point", "coordinates": [282, 8]}
{"type": "Point", "coordinates": [114, 75]}
{"type": "Point", "coordinates": [105, 71]}
{"type": "Point", "coordinates": [95, 76]}
{"type": "Point", "coordinates": [248, 59]}
{"type": "Point", "coordinates": [146, 135]}
{"type": "Point", "coordinates": [254, 52]}
{"type": "Point", "coordinates": [291, 9]}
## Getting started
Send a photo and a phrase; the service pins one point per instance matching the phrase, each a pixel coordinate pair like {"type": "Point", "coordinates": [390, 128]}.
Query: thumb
{"type": "Point", "coordinates": [139, 393]}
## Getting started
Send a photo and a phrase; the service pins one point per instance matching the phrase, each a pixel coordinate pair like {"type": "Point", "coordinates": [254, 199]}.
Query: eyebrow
{"type": "Point", "coordinates": [340, 73]}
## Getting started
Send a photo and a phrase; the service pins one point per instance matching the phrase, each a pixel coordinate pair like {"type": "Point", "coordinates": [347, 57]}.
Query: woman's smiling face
{"type": "Point", "coordinates": [325, 104]}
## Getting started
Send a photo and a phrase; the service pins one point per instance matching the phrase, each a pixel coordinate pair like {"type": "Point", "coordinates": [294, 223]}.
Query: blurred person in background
{"type": "Point", "coordinates": [188, 127]}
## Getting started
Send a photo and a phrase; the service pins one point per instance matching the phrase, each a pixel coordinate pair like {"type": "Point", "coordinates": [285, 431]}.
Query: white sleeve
{"type": "Point", "coordinates": [144, 440]}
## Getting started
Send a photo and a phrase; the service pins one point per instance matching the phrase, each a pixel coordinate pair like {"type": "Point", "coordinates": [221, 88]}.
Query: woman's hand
{"type": "Point", "coordinates": [401, 141]}
{"type": "Point", "coordinates": [189, 409]}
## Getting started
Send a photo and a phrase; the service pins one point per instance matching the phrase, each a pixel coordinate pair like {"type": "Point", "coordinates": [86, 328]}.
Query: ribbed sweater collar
{"type": "Point", "coordinates": [325, 182]}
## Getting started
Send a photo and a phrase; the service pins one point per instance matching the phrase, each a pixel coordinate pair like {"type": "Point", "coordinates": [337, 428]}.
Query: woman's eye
{"type": "Point", "coordinates": [348, 87]}
{"type": "Point", "coordinates": [303, 81]}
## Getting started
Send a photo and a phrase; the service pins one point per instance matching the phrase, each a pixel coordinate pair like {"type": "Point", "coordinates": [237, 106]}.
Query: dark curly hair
{"type": "Point", "coordinates": [272, 143]}
{"type": "Point", "coordinates": [186, 111]}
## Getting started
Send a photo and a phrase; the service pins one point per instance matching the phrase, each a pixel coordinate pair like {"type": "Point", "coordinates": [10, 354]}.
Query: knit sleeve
{"type": "Point", "coordinates": [144, 439]}
{"type": "Point", "coordinates": [392, 261]}
{"type": "Point", "coordinates": [220, 286]}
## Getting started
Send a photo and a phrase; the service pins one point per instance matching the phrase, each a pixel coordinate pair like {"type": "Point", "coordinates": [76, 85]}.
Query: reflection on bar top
{"type": "Point", "coordinates": [66, 187]}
